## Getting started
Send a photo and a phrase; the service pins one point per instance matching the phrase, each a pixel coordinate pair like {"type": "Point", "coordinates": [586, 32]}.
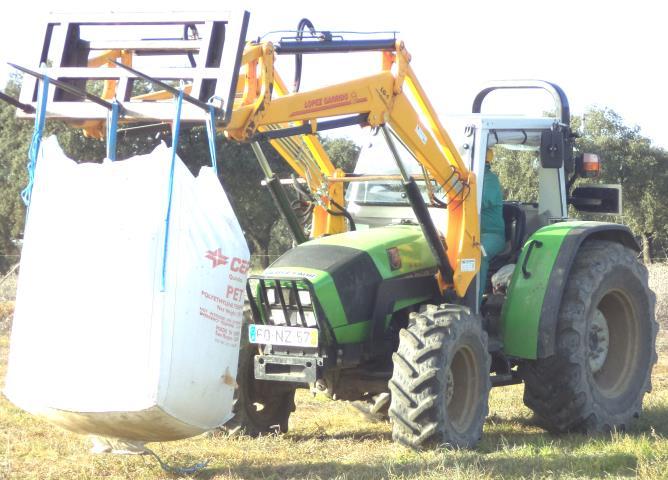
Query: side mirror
{"type": "Point", "coordinates": [552, 148]}
{"type": "Point", "coordinates": [588, 165]}
{"type": "Point", "coordinates": [597, 199]}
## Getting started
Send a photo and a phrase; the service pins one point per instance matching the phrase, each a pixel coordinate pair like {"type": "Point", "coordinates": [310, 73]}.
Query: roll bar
{"type": "Point", "coordinates": [560, 99]}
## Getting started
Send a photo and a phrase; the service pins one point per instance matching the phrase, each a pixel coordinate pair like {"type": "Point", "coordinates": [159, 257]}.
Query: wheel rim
{"type": "Point", "coordinates": [462, 389]}
{"type": "Point", "coordinates": [613, 343]}
{"type": "Point", "coordinates": [599, 341]}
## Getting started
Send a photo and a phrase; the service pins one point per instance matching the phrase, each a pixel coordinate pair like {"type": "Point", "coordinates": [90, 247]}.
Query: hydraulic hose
{"type": "Point", "coordinates": [342, 213]}
{"type": "Point", "coordinates": [303, 24]}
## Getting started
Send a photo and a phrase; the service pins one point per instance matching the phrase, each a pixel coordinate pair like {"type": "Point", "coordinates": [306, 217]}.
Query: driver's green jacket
{"type": "Point", "coordinates": [491, 213]}
{"type": "Point", "coordinates": [492, 226]}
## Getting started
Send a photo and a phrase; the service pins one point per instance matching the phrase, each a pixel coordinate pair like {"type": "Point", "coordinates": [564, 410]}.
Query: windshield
{"type": "Point", "coordinates": [376, 159]}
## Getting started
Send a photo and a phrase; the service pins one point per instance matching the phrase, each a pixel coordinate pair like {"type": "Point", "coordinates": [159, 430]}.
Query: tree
{"type": "Point", "coordinates": [14, 140]}
{"type": "Point", "coordinates": [631, 160]}
{"type": "Point", "coordinates": [342, 151]}
{"type": "Point", "coordinates": [518, 173]}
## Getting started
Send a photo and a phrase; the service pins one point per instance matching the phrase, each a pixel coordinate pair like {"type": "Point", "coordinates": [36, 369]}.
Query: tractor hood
{"type": "Point", "coordinates": [346, 269]}
{"type": "Point", "coordinates": [391, 251]}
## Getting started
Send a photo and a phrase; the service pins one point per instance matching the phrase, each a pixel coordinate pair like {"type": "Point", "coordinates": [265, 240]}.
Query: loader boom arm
{"type": "Point", "coordinates": [392, 97]}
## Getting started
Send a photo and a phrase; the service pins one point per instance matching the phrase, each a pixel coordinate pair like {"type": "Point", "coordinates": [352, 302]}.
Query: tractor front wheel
{"type": "Point", "coordinates": [440, 382]}
{"type": "Point", "coordinates": [260, 407]}
{"type": "Point", "coordinates": [605, 345]}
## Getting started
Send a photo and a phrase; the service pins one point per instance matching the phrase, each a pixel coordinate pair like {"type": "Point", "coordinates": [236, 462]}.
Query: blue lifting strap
{"type": "Point", "coordinates": [175, 144]}
{"type": "Point", "coordinates": [112, 126]}
{"type": "Point", "coordinates": [40, 119]}
{"type": "Point", "coordinates": [211, 134]}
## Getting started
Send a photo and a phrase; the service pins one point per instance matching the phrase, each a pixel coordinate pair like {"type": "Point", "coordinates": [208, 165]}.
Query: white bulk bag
{"type": "Point", "coordinates": [97, 346]}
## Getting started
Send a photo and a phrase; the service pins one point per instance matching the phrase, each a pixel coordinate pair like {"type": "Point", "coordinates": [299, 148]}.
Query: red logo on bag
{"type": "Point", "coordinates": [217, 258]}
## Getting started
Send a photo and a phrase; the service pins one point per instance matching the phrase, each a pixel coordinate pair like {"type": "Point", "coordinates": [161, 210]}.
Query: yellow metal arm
{"type": "Point", "coordinates": [394, 97]}
{"type": "Point", "coordinates": [304, 153]}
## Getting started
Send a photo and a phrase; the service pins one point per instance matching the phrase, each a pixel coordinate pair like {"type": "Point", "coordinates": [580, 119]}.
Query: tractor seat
{"type": "Point", "coordinates": [515, 222]}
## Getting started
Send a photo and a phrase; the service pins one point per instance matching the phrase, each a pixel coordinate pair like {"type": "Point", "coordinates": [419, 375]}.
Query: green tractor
{"type": "Point", "coordinates": [359, 316]}
{"type": "Point", "coordinates": [385, 311]}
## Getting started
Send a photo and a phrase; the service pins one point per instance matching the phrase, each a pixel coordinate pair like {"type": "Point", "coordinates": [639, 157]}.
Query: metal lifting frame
{"type": "Point", "coordinates": [69, 61]}
{"type": "Point", "coordinates": [15, 103]}
{"type": "Point", "coordinates": [67, 55]}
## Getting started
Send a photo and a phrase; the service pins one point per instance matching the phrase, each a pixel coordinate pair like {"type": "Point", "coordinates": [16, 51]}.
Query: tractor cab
{"type": "Point", "coordinates": [382, 200]}
{"type": "Point", "coordinates": [379, 199]}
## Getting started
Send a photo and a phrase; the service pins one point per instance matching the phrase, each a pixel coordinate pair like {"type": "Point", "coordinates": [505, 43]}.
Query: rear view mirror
{"type": "Point", "coordinates": [552, 148]}
{"type": "Point", "coordinates": [598, 199]}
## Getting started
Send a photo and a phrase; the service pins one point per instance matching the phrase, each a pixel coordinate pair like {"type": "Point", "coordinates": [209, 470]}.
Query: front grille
{"type": "Point", "coordinates": [285, 302]}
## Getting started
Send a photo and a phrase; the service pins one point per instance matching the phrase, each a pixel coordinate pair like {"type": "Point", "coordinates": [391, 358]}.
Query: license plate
{"type": "Point", "coordinates": [289, 336]}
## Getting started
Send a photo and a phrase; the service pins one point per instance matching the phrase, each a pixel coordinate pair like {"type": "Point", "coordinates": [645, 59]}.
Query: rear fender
{"type": "Point", "coordinates": [529, 315]}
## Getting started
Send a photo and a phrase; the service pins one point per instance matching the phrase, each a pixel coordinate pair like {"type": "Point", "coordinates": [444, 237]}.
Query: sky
{"type": "Point", "coordinates": [602, 53]}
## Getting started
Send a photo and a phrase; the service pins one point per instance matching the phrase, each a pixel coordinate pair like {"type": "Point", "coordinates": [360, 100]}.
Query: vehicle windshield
{"type": "Point", "coordinates": [376, 159]}
{"type": "Point", "coordinates": [517, 152]}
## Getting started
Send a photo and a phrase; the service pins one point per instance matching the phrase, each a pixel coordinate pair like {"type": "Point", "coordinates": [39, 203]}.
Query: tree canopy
{"type": "Point", "coordinates": [631, 160]}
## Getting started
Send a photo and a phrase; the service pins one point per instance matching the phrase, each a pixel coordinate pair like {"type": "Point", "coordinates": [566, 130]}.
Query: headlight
{"type": "Point", "coordinates": [271, 295]}
{"type": "Point", "coordinates": [294, 318]}
{"type": "Point", "coordinates": [278, 316]}
{"type": "Point", "coordinates": [304, 297]}
{"type": "Point", "coordinates": [309, 317]}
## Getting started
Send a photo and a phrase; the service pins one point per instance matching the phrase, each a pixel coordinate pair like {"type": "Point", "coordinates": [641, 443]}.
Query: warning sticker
{"type": "Point", "coordinates": [467, 264]}
{"type": "Point", "coordinates": [421, 134]}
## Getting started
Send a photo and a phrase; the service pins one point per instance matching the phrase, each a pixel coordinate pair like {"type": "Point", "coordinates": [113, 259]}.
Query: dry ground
{"type": "Point", "coordinates": [329, 440]}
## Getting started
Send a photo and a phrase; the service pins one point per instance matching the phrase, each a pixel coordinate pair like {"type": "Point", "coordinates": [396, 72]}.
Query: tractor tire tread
{"type": "Point", "coordinates": [418, 383]}
{"type": "Point", "coordinates": [556, 388]}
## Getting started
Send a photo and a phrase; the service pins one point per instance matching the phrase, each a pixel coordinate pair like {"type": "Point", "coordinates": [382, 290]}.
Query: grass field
{"type": "Point", "coordinates": [330, 440]}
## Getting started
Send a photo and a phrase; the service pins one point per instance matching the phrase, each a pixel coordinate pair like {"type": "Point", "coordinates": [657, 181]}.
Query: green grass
{"type": "Point", "coordinates": [330, 440]}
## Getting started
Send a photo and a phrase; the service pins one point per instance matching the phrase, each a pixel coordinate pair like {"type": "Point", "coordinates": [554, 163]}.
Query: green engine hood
{"type": "Point", "coordinates": [346, 269]}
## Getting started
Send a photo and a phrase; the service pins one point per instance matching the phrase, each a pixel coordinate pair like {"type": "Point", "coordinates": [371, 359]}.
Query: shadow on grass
{"type": "Point", "coordinates": [499, 431]}
{"type": "Point", "coordinates": [563, 456]}
{"type": "Point", "coordinates": [604, 465]}
{"type": "Point", "coordinates": [520, 430]}
{"type": "Point", "coordinates": [357, 434]}
{"type": "Point", "coordinates": [653, 420]}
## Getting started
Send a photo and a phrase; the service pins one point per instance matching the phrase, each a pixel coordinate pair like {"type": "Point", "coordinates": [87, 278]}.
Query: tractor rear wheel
{"type": "Point", "coordinates": [440, 383]}
{"type": "Point", "coordinates": [605, 346]}
{"type": "Point", "coordinates": [260, 407]}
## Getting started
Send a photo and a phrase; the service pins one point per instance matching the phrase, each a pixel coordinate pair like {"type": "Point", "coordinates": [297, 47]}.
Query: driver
{"type": "Point", "coordinates": [492, 226]}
